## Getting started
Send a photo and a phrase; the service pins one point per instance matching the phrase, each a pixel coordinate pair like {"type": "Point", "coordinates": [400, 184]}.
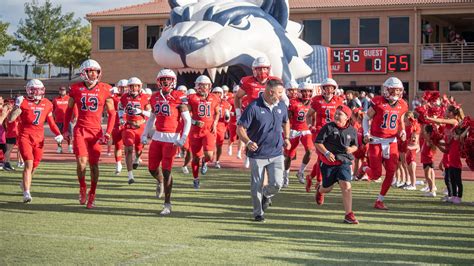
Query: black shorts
{"type": "Point", "coordinates": [3, 148]}
{"type": "Point", "coordinates": [333, 173]}
{"type": "Point", "coordinates": [430, 165]}
{"type": "Point", "coordinates": [61, 127]}
{"type": "Point", "coordinates": [10, 141]}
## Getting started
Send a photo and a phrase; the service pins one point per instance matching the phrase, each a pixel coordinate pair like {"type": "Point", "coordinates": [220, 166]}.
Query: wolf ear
{"type": "Point", "coordinates": [176, 3]}
{"type": "Point", "coordinates": [278, 9]}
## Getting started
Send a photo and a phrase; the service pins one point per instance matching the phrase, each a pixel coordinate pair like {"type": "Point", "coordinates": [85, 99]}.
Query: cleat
{"type": "Point", "coordinates": [131, 181]}
{"type": "Point", "coordinates": [319, 197]}
{"type": "Point", "coordinates": [136, 163]}
{"type": "Point", "coordinates": [91, 201]}
{"type": "Point", "coordinates": [69, 149]}
{"type": "Point", "coordinates": [266, 202]}
{"type": "Point", "coordinates": [217, 165]}
{"type": "Point", "coordinates": [166, 209]}
{"type": "Point", "coordinates": [309, 183]}
{"type": "Point", "coordinates": [286, 181]}
{"type": "Point", "coordinates": [118, 168]}
{"type": "Point", "coordinates": [350, 219]}
{"type": "Point", "coordinates": [185, 170]}
{"type": "Point", "coordinates": [259, 218]}
{"type": "Point", "coordinates": [8, 167]}
{"type": "Point", "coordinates": [196, 184]}
{"type": "Point", "coordinates": [27, 198]}
{"type": "Point", "coordinates": [379, 205]}
{"type": "Point", "coordinates": [300, 177]}
{"type": "Point", "coordinates": [59, 150]}
{"type": "Point", "coordinates": [203, 167]}
{"type": "Point", "coordinates": [160, 190]}
{"type": "Point", "coordinates": [82, 195]}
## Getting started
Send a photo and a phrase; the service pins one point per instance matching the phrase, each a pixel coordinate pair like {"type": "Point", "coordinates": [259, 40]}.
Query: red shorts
{"type": "Point", "coordinates": [86, 143]}
{"type": "Point", "coordinates": [161, 152]}
{"type": "Point", "coordinates": [411, 156]}
{"type": "Point", "coordinates": [117, 138]}
{"type": "Point", "coordinates": [232, 132]}
{"type": "Point", "coordinates": [306, 140]}
{"type": "Point", "coordinates": [31, 148]}
{"type": "Point", "coordinates": [220, 134]}
{"type": "Point", "coordinates": [132, 137]}
{"type": "Point", "coordinates": [206, 142]}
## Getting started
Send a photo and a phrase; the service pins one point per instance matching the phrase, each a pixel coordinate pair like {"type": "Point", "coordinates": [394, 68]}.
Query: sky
{"type": "Point", "coordinates": [13, 10]}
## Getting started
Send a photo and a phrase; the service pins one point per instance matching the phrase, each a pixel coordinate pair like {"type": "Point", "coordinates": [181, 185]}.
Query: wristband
{"type": "Point", "coordinates": [327, 153]}
{"type": "Point", "coordinates": [248, 142]}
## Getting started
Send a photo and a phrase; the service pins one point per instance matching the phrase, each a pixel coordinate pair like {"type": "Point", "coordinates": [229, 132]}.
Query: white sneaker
{"type": "Point", "coordinates": [69, 149]}
{"type": "Point", "coordinates": [59, 150]}
{"type": "Point", "coordinates": [239, 155]}
{"type": "Point", "coordinates": [430, 194]}
{"type": "Point", "coordinates": [27, 197]}
{"type": "Point", "coordinates": [420, 182]}
{"type": "Point", "coordinates": [229, 150]}
{"type": "Point", "coordinates": [217, 165]}
{"type": "Point", "coordinates": [286, 180]}
{"type": "Point", "coordinates": [118, 168]}
{"type": "Point", "coordinates": [20, 165]}
{"type": "Point", "coordinates": [247, 162]}
{"type": "Point", "coordinates": [400, 184]}
{"type": "Point", "coordinates": [425, 189]}
{"type": "Point", "coordinates": [166, 209]}
{"type": "Point", "coordinates": [301, 178]}
{"type": "Point", "coordinates": [185, 170]}
{"type": "Point", "coordinates": [411, 187]}
{"type": "Point", "coordinates": [445, 191]}
{"type": "Point", "coordinates": [160, 190]}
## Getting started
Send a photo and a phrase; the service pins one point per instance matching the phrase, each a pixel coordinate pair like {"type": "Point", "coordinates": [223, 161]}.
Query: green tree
{"type": "Point", "coordinates": [40, 33]}
{"type": "Point", "coordinates": [73, 48]}
{"type": "Point", "coordinates": [5, 39]}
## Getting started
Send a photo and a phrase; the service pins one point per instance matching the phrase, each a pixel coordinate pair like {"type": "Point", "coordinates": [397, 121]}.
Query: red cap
{"type": "Point", "coordinates": [345, 109]}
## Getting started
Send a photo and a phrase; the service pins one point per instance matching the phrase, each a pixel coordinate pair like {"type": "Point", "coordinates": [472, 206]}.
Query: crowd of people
{"type": "Point", "coordinates": [348, 136]}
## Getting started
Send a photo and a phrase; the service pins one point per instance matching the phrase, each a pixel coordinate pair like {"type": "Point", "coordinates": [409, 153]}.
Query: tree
{"type": "Point", "coordinates": [5, 39]}
{"type": "Point", "coordinates": [40, 33]}
{"type": "Point", "coordinates": [73, 48]}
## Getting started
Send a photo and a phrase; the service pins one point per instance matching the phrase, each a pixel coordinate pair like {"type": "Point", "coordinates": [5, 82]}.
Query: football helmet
{"type": "Point", "coordinates": [35, 90]}
{"type": "Point", "coordinates": [182, 88]}
{"type": "Point", "coordinates": [236, 89]}
{"type": "Point", "coordinates": [329, 87]}
{"type": "Point", "coordinates": [203, 85]}
{"type": "Point", "coordinates": [292, 89]}
{"type": "Point", "coordinates": [218, 90]}
{"type": "Point", "coordinates": [191, 92]}
{"type": "Point", "coordinates": [261, 68]}
{"type": "Point", "coordinates": [166, 80]}
{"type": "Point", "coordinates": [134, 86]}
{"type": "Point", "coordinates": [392, 89]}
{"type": "Point", "coordinates": [306, 90]}
{"type": "Point", "coordinates": [87, 65]}
{"type": "Point", "coordinates": [122, 86]}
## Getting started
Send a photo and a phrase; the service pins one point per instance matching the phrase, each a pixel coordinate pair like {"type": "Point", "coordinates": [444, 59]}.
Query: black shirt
{"type": "Point", "coordinates": [336, 140]}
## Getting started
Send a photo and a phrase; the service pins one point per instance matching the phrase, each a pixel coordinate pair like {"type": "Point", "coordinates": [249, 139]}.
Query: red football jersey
{"type": "Point", "coordinates": [59, 108]}
{"type": "Point", "coordinates": [166, 110]}
{"type": "Point", "coordinates": [233, 118]}
{"type": "Point", "coordinates": [386, 121]}
{"type": "Point", "coordinates": [252, 89]}
{"type": "Point", "coordinates": [90, 103]}
{"type": "Point", "coordinates": [225, 106]}
{"type": "Point", "coordinates": [140, 101]}
{"type": "Point", "coordinates": [203, 109]}
{"type": "Point", "coordinates": [297, 111]}
{"type": "Point", "coordinates": [325, 110]}
{"type": "Point", "coordinates": [33, 116]}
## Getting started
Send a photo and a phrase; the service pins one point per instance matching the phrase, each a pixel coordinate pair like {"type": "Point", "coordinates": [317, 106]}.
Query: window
{"type": "Point", "coordinates": [459, 86]}
{"type": "Point", "coordinates": [106, 38]}
{"type": "Point", "coordinates": [369, 31]}
{"type": "Point", "coordinates": [130, 37]}
{"type": "Point", "coordinates": [340, 31]}
{"type": "Point", "coordinates": [312, 32]}
{"type": "Point", "coordinates": [153, 33]}
{"type": "Point", "coordinates": [399, 30]}
{"type": "Point", "coordinates": [428, 86]}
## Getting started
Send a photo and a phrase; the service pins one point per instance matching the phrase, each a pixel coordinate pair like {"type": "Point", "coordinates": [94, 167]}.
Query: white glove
{"type": "Point", "coordinates": [19, 100]}
{"type": "Point", "coordinates": [59, 138]}
{"type": "Point", "coordinates": [136, 111]}
{"type": "Point", "coordinates": [144, 139]}
{"type": "Point", "coordinates": [180, 142]}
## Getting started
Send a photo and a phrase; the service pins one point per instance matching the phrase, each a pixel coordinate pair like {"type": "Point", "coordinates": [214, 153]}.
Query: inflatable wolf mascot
{"type": "Point", "coordinates": [223, 37]}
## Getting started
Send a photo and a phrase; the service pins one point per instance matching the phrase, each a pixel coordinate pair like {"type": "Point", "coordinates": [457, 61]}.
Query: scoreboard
{"type": "Point", "coordinates": [366, 60]}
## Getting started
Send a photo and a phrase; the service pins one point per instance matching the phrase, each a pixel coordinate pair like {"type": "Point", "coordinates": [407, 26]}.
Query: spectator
{"type": "Point", "coordinates": [415, 102]}
{"type": "Point", "coordinates": [364, 101]}
{"type": "Point", "coordinates": [350, 100]}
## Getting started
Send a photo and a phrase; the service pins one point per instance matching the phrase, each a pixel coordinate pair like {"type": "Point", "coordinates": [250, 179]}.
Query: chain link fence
{"type": "Point", "coordinates": [28, 70]}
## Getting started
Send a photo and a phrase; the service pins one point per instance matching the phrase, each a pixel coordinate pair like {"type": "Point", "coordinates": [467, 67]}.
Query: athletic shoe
{"type": "Point", "coordinates": [203, 167]}
{"type": "Point", "coordinates": [247, 162]}
{"type": "Point", "coordinates": [286, 180]}
{"type": "Point", "coordinates": [350, 219]}
{"type": "Point", "coordinates": [1, 166]}
{"type": "Point", "coordinates": [217, 165]}
{"type": "Point", "coordinates": [118, 168]}
{"type": "Point", "coordinates": [82, 195]}
{"type": "Point", "coordinates": [27, 197]}
{"type": "Point", "coordinates": [266, 202]}
{"type": "Point", "coordinates": [456, 200]}
{"type": "Point", "coordinates": [445, 191]}
{"type": "Point", "coordinates": [425, 189]}
{"type": "Point", "coordinates": [166, 209]}
{"type": "Point", "coordinates": [259, 218]}
{"type": "Point", "coordinates": [136, 163]}
{"type": "Point", "coordinates": [364, 178]}
{"type": "Point", "coordinates": [196, 183]}
{"type": "Point", "coordinates": [319, 197]}
{"type": "Point", "coordinates": [69, 149]}
{"type": "Point", "coordinates": [309, 183]}
{"type": "Point", "coordinates": [160, 190]}
{"type": "Point", "coordinates": [411, 187]}
{"type": "Point", "coordinates": [430, 194]}
{"type": "Point", "coordinates": [185, 170]}
{"type": "Point", "coordinates": [239, 155]}
{"type": "Point", "coordinates": [59, 150]}
{"type": "Point", "coordinates": [131, 181]}
{"type": "Point", "coordinates": [229, 150]}
{"type": "Point", "coordinates": [401, 184]}
{"type": "Point", "coordinates": [420, 182]}
{"type": "Point", "coordinates": [20, 165]}
{"type": "Point", "coordinates": [8, 167]}
{"type": "Point", "coordinates": [300, 176]}
{"type": "Point", "coordinates": [446, 199]}
{"type": "Point", "coordinates": [379, 205]}
{"type": "Point", "coordinates": [91, 201]}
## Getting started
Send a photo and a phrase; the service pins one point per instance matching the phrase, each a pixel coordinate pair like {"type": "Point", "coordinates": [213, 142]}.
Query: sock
{"type": "Point", "coordinates": [93, 187]}
{"type": "Point", "coordinates": [130, 175]}
{"type": "Point", "coordinates": [380, 198]}
{"type": "Point", "coordinates": [302, 167]}
{"type": "Point", "coordinates": [118, 159]}
{"type": "Point", "coordinates": [195, 168]}
{"type": "Point", "coordinates": [82, 181]}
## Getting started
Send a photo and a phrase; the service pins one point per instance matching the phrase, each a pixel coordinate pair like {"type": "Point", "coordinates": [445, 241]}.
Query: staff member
{"type": "Point", "coordinates": [335, 144]}
{"type": "Point", "coordinates": [260, 127]}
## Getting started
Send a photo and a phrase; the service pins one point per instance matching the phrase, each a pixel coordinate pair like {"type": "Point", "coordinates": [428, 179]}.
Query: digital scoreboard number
{"type": "Point", "coordinates": [398, 63]}
{"type": "Point", "coordinates": [359, 60]}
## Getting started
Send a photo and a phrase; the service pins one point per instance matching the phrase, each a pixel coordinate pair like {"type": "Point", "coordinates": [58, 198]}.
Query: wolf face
{"type": "Point", "coordinates": [225, 36]}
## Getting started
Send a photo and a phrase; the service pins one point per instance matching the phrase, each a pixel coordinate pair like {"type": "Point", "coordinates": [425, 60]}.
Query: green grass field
{"type": "Point", "coordinates": [215, 226]}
